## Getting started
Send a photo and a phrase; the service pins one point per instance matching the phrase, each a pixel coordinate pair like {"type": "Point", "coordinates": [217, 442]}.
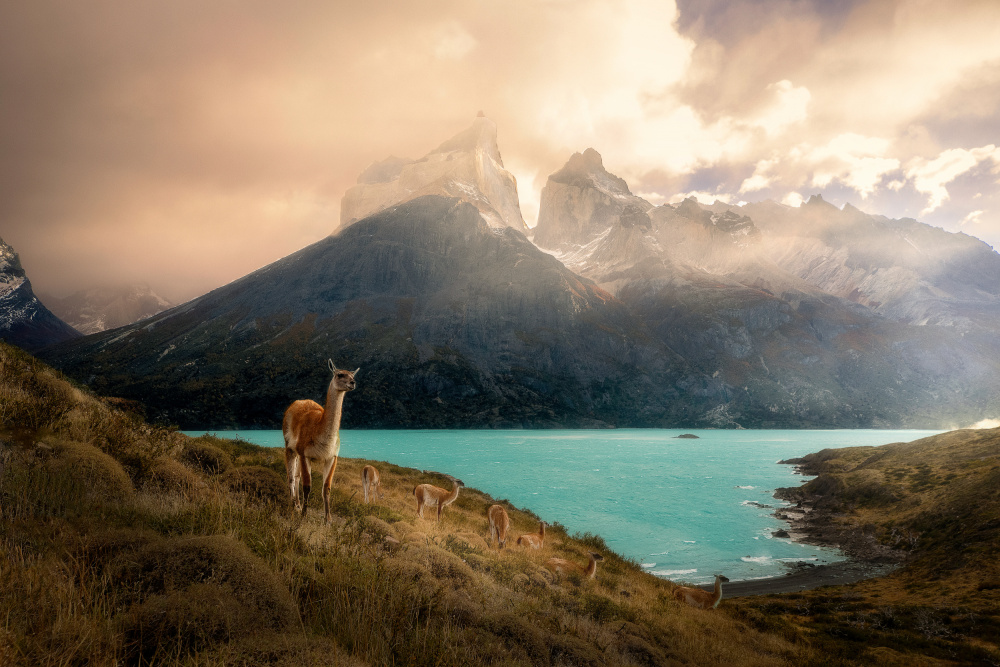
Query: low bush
{"type": "Point", "coordinates": [171, 476]}
{"type": "Point", "coordinates": [206, 457]}
{"type": "Point", "coordinates": [170, 565]}
{"type": "Point", "coordinates": [259, 484]}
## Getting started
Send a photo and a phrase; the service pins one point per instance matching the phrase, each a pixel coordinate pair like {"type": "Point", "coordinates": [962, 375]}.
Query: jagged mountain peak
{"type": "Point", "coordinates": [587, 170]}
{"type": "Point", "coordinates": [582, 201]}
{"type": "Point", "coordinates": [480, 136]}
{"type": "Point", "coordinates": [10, 263]}
{"type": "Point", "coordinates": [817, 201]}
{"type": "Point", "coordinates": [467, 166]}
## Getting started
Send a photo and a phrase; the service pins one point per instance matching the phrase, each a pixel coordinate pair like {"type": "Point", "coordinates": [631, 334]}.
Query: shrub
{"type": "Point", "coordinates": [166, 474]}
{"type": "Point", "coordinates": [185, 621]}
{"type": "Point", "coordinates": [205, 457]}
{"type": "Point", "coordinates": [259, 484]}
{"type": "Point", "coordinates": [172, 565]}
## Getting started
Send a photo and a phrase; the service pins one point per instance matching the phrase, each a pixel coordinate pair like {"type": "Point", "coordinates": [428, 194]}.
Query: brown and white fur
{"type": "Point", "coordinates": [312, 433]}
{"type": "Point", "coordinates": [701, 599]}
{"type": "Point", "coordinates": [533, 540]}
{"type": "Point", "coordinates": [434, 496]}
{"type": "Point", "coordinates": [499, 524]}
{"type": "Point", "coordinates": [561, 566]}
{"type": "Point", "coordinates": [370, 481]}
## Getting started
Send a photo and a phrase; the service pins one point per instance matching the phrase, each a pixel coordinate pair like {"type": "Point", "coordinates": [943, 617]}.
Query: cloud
{"type": "Point", "coordinates": [789, 106]}
{"type": "Point", "coordinates": [932, 176]}
{"type": "Point", "coordinates": [452, 41]}
{"type": "Point", "coordinates": [225, 134]}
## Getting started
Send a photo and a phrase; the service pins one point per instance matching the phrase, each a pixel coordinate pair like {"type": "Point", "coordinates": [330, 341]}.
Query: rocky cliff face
{"type": "Point", "coordinates": [467, 166]}
{"type": "Point", "coordinates": [24, 320]}
{"type": "Point", "coordinates": [101, 308]}
{"type": "Point", "coordinates": [582, 201]}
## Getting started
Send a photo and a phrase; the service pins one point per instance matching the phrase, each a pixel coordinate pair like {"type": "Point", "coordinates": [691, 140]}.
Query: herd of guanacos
{"type": "Point", "coordinates": [312, 434]}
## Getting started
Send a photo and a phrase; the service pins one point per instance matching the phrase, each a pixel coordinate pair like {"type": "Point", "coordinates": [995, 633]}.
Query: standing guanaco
{"type": "Point", "coordinates": [430, 495]}
{"type": "Point", "coordinates": [499, 524]}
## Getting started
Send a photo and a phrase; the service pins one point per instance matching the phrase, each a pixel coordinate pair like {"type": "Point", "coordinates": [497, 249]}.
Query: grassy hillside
{"type": "Point", "coordinates": [932, 504]}
{"type": "Point", "coordinates": [122, 543]}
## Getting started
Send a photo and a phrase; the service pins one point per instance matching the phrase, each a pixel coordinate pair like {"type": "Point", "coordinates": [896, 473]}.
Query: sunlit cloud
{"type": "Point", "coordinates": [973, 217]}
{"type": "Point", "coordinates": [218, 121]}
{"type": "Point", "coordinates": [932, 176]}
{"type": "Point", "coordinates": [789, 106]}
{"type": "Point", "coordinates": [452, 41]}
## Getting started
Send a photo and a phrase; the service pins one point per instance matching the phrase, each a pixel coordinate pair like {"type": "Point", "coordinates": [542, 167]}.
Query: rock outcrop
{"type": "Point", "coordinates": [468, 166]}
{"type": "Point", "coordinates": [582, 201]}
{"type": "Point", "coordinates": [24, 320]}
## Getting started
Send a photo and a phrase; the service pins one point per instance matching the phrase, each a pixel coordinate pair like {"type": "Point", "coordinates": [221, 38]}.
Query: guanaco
{"type": "Point", "coordinates": [562, 566]}
{"type": "Point", "coordinates": [370, 481]}
{"type": "Point", "coordinates": [499, 524]}
{"type": "Point", "coordinates": [312, 433]}
{"type": "Point", "coordinates": [533, 540]}
{"type": "Point", "coordinates": [430, 495]}
{"type": "Point", "coordinates": [701, 599]}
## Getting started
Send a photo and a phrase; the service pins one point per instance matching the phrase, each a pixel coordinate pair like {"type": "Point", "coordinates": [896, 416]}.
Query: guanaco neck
{"type": "Point", "coordinates": [333, 410]}
{"type": "Point", "coordinates": [718, 593]}
{"type": "Point", "coordinates": [453, 495]}
{"type": "Point", "coordinates": [591, 570]}
{"type": "Point", "coordinates": [541, 530]}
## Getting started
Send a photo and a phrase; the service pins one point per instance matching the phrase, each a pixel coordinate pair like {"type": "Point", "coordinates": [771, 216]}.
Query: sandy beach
{"type": "Point", "coordinates": [835, 574]}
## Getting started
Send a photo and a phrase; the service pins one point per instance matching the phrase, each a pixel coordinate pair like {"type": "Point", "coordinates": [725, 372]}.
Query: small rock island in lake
{"type": "Point", "coordinates": [687, 436]}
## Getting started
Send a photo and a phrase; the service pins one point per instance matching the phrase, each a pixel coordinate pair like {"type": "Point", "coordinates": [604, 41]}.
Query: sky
{"type": "Point", "coordinates": [184, 144]}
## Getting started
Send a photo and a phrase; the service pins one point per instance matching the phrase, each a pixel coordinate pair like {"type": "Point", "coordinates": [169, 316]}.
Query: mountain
{"type": "Point", "coordinates": [467, 166]}
{"type": "Point", "coordinates": [761, 292]}
{"type": "Point", "coordinates": [902, 269]}
{"type": "Point", "coordinates": [24, 320]}
{"type": "Point", "coordinates": [100, 308]}
{"type": "Point", "coordinates": [633, 315]}
{"type": "Point", "coordinates": [453, 322]}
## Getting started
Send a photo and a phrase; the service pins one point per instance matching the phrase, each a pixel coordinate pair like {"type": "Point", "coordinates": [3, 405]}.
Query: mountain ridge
{"type": "Point", "coordinates": [24, 320]}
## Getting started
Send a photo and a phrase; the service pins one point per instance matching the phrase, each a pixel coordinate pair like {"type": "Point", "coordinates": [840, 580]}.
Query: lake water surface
{"type": "Point", "coordinates": [685, 508]}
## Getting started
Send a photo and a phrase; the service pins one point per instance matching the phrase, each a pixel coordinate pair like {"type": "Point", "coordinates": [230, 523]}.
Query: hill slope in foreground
{"type": "Point", "coordinates": [121, 543]}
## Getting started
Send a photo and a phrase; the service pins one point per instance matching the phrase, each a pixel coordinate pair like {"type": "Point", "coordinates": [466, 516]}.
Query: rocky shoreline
{"type": "Point", "coordinates": [813, 522]}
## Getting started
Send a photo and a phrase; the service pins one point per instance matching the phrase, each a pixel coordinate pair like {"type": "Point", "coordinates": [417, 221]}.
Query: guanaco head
{"type": "Point", "coordinates": [342, 380]}
{"type": "Point", "coordinates": [599, 557]}
{"type": "Point", "coordinates": [721, 577]}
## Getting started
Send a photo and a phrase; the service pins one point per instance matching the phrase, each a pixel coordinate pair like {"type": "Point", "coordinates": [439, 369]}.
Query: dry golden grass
{"type": "Point", "coordinates": [124, 544]}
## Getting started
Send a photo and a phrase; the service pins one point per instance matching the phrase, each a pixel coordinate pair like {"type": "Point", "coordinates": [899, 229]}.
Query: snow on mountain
{"type": "Point", "coordinates": [100, 308]}
{"type": "Point", "coordinates": [24, 320]}
{"type": "Point", "coordinates": [467, 166]}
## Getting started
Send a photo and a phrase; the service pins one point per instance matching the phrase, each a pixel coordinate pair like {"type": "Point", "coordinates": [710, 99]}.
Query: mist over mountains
{"type": "Point", "coordinates": [100, 308]}
{"type": "Point", "coordinates": [616, 313]}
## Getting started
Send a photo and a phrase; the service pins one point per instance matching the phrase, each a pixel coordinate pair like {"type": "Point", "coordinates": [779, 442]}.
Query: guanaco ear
{"type": "Point", "coordinates": [356, 371]}
{"type": "Point", "coordinates": [333, 369]}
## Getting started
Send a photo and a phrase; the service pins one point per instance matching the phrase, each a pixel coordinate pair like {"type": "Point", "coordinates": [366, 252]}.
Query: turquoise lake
{"type": "Point", "coordinates": [685, 508]}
